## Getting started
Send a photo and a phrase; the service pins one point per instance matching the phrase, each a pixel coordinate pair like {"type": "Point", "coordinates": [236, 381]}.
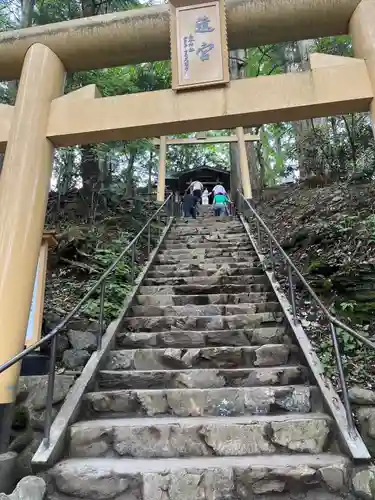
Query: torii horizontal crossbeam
{"type": "Point", "coordinates": [247, 102]}
{"type": "Point", "coordinates": [191, 141]}
{"type": "Point", "coordinates": [142, 35]}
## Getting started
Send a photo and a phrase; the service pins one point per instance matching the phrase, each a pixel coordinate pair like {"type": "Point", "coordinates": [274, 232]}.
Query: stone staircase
{"type": "Point", "coordinates": [206, 395]}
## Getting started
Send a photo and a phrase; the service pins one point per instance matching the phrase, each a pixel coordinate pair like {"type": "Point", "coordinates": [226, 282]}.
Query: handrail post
{"type": "Point", "coordinates": [271, 253]}
{"type": "Point", "coordinates": [149, 239]}
{"type": "Point", "coordinates": [340, 370]}
{"type": "Point", "coordinates": [291, 292]}
{"type": "Point", "coordinates": [133, 263]}
{"type": "Point", "coordinates": [259, 235]}
{"type": "Point", "coordinates": [101, 316]}
{"type": "Point", "coordinates": [50, 391]}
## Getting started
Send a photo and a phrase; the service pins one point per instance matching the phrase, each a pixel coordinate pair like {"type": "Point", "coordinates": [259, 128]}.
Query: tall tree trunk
{"type": "Point", "coordinates": [90, 171]}
{"type": "Point", "coordinates": [297, 59]}
{"type": "Point", "coordinates": [129, 175]}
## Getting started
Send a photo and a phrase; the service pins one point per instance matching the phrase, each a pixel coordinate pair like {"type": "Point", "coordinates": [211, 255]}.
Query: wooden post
{"type": "Point", "coordinates": [24, 187]}
{"type": "Point", "coordinates": [161, 177]}
{"type": "Point", "coordinates": [362, 29]}
{"type": "Point", "coordinates": [244, 165]}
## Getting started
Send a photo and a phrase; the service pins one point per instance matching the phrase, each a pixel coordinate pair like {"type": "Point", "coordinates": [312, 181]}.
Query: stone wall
{"type": "Point", "coordinates": [27, 429]}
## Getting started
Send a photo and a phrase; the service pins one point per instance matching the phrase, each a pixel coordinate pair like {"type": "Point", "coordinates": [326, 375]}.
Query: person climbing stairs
{"type": "Point", "coordinates": [206, 394]}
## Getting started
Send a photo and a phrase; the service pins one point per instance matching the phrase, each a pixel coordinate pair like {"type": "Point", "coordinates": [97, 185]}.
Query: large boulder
{"type": "Point", "coordinates": [29, 488]}
{"type": "Point", "coordinates": [360, 396]}
{"type": "Point", "coordinates": [364, 483]}
{"type": "Point", "coordinates": [7, 476]}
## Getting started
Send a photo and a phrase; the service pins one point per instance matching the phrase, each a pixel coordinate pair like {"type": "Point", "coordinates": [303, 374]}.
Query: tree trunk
{"type": "Point", "coordinates": [129, 175]}
{"type": "Point", "coordinates": [90, 171]}
{"type": "Point", "coordinates": [297, 59]}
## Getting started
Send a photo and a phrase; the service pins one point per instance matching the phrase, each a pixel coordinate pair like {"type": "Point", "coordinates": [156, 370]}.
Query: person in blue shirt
{"type": "Point", "coordinates": [220, 204]}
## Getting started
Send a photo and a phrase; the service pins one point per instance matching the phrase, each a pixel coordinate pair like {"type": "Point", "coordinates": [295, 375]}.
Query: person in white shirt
{"type": "Point", "coordinates": [196, 189]}
{"type": "Point", "coordinates": [205, 200]}
{"type": "Point", "coordinates": [218, 189]}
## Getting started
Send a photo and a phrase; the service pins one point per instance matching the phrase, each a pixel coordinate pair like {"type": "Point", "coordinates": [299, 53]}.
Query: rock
{"type": "Point", "coordinates": [173, 354]}
{"type": "Point", "coordinates": [360, 396]}
{"type": "Point", "coordinates": [271, 355]}
{"type": "Point", "coordinates": [81, 340]}
{"type": "Point", "coordinates": [334, 477]}
{"type": "Point", "coordinates": [89, 483]}
{"type": "Point", "coordinates": [366, 418]}
{"type": "Point", "coordinates": [268, 486]}
{"type": "Point", "coordinates": [73, 359]}
{"type": "Point", "coordinates": [36, 389]}
{"type": "Point", "coordinates": [190, 357]}
{"type": "Point", "coordinates": [7, 467]}
{"type": "Point", "coordinates": [93, 327]}
{"type": "Point", "coordinates": [200, 378]}
{"type": "Point", "coordinates": [304, 436]}
{"type": "Point", "coordinates": [23, 463]}
{"type": "Point", "coordinates": [29, 488]}
{"type": "Point", "coordinates": [364, 483]}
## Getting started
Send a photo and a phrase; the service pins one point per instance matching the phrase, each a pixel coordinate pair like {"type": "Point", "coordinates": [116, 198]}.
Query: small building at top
{"type": "Point", "coordinates": [178, 182]}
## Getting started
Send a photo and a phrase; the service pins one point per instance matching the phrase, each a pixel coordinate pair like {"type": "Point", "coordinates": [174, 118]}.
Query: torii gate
{"type": "Point", "coordinates": [42, 118]}
{"type": "Point", "coordinates": [240, 138]}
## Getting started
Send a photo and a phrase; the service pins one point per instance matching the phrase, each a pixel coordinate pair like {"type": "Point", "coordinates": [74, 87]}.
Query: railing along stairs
{"type": "Point", "coordinates": [268, 249]}
{"type": "Point", "coordinates": [270, 254]}
{"type": "Point", "coordinates": [166, 211]}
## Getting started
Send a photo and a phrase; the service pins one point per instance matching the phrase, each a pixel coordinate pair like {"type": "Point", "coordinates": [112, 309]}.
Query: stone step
{"type": "Point", "coordinates": [199, 270]}
{"type": "Point", "coordinates": [211, 221]}
{"type": "Point", "coordinates": [236, 321]}
{"type": "Point", "coordinates": [173, 358]}
{"type": "Point", "coordinates": [208, 225]}
{"type": "Point", "coordinates": [214, 237]}
{"type": "Point", "coordinates": [188, 229]}
{"type": "Point", "coordinates": [227, 401]}
{"type": "Point", "coordinates": [173, 246]}
{"type": "Point", "coordinates": [192, 261]}
{"type": "Point", "coordinates": [207, 253]}
{"type": "Point", "coordinates": [200, 478]}
{"type": "Point", "coordinates": [215, 289]}
{"type": "Point", "coordinates": [186, 259]}
{"type": "Point", "coordinates": [168, 437]}
{"type": "Point", "coordinates": [209, 280]}
{"type": "Point", "coordinates": [185, 339]}
{"type": "Point", "coordinates": [203, 378]}
{"type": "Point", "coordinates": [182, 300]}
{"type": "Point", "coordinates": [206, 310]}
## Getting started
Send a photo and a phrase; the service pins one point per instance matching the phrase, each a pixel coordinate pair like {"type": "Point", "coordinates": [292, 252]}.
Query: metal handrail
{"type": "Point", "coordinates": [333, 321]}
{"type": "Point", "coordinates": [101, 282]}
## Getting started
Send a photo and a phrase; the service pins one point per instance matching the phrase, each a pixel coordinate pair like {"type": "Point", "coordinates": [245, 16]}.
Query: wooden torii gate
{"type": "Point", "coordinates": [201, 138]}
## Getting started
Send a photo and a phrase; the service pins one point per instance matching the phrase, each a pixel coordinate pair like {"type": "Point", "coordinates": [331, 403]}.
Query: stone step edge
{"type": "Point", "coordinates": [230, 420]}
{"type": "Point", "coordinates": [231, 316]}
{"type": "Point", "coordinates": [134, 466]}
{"type": "Point", "coordinates": [240, 305]}
{"type": "Point", "coordinates": [274, 325]}
{"type": "Point", "coordinates": [188, 389]}
{"type": "Point", "coordinates": [268, 289]}
{"type": "Point", "coordinates": [213, 295]}
{"type": "Point", "coordinates": [204, 349]}
{"type": "Point", "coordinates": [222, 371]}
{"type": "Point", "coordinates": [257, 279]}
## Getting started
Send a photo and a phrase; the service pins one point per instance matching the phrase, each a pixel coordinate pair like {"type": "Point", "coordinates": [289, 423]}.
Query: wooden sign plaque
{"type": "Point", "coordinates": [199, 51]}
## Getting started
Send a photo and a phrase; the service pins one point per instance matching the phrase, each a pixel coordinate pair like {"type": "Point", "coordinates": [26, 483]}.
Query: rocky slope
{"type": "Point", "coordinates": [329, 232]}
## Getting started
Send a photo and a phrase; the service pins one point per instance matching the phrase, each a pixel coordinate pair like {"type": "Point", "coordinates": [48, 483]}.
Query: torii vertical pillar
{"type": "Point", "coordinates": [244, 164]}
{"type": "Point", "coordinates": [161, 177]}
{"type": "Point", "coordinates": [362, 29]}
{"type": "Point", "coordinates": [24, 187]}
